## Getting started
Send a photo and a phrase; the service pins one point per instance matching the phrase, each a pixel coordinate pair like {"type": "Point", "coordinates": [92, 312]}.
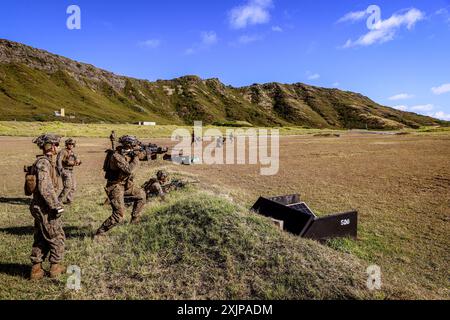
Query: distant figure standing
{"type": "Point", "coordinates": [112, 137]}
{"type": "Point", "coordinates": [231, 137]}
{"type": "Point", "coordinates": [65, 163]}
{"type": "Point", "coordinates": [219, 142]}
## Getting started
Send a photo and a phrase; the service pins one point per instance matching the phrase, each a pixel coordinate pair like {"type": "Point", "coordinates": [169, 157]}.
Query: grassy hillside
{"type": "Point", "coordinates": [35, 83]}
{"type": "Point", "coordinates": [29, 94]}
{"type": "Point", "coordinates": [207, 248]}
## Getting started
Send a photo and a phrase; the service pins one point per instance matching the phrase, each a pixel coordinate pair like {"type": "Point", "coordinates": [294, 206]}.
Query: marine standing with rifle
{"type": "Point", "coordinates": [119, 168]}
{"type": "Point", "coordinates": [66, 161]}
{"type": "Point", "coordinates": [49, 237]}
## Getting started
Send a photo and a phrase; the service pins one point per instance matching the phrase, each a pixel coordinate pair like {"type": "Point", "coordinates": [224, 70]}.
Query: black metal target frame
{"type": "Point", "coordinates": [300, 220]}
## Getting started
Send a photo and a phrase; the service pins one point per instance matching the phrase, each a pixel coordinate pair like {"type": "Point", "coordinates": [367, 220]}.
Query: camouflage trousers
{"type": "Point", "coordinates": [49, 237]}
{"type": "Point", "coordinates": [70, 186]}
{"type": "Point", "coordinates": [116, 195]}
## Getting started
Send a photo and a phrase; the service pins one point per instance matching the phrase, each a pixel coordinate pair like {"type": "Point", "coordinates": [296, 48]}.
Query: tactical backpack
{"type": "Point", "coordinates": [109, 174]}
{"type": "Point", "coordinates": [30, 179]}
{"type": "Point", "coordinates": [146, 186]}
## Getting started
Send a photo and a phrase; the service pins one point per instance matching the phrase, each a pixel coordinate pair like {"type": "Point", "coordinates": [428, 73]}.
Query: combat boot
{"type": "Point", "coordinates": [37, 273]}
{"type": "Point", "coordinates": [56, 270]}
{"type": "Point", "coordinates": [135, 220]}
{"type": "Point", "coordinates": [99, 236]}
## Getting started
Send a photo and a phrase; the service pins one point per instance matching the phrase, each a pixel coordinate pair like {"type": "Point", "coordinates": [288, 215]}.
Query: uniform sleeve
{"type": "Point", "coordinates": [75, 158]}
{"type": "Point", "coordinates": [59, 161]}
{"type": "Point", "coordinates": [124, 166]}
{"type": "Point", "coordinates": [45, 184]}
{"type": "Point", "coordinates": [159, 190]}
{"type": "Point", "coordinates": [141, 155]}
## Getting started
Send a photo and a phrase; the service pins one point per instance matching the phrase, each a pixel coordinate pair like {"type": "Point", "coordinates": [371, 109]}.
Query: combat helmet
{"type": "Point", "coordinates": [160, 175]}
{"type": "Point", "coordinates": [129, 141]}
{"type": "Point", "coordinates": [45, 141]}
{"type": "Point", "coordinates": [71, 141]}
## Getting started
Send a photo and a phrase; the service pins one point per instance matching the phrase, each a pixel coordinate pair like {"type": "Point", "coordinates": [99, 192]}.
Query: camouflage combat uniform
{"type": "Point", "coordinates": [112, 137]}
{"type": "Point", "coordinates": [66, 161]}
{"type": "Point", "coordinates": [153, 188]}
{"type": "Point", "coordinates": [120, 185]}
{"type": "Point", "coordinates": [49, 235]}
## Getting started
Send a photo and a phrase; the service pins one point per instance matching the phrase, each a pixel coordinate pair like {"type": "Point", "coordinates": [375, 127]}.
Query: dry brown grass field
{"type": "Point", "coordinates": [400, 184]}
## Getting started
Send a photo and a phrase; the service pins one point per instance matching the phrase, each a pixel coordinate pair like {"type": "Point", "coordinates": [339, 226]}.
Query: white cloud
{"type": "Point", "coordinates": [277, 29]}
{"type": "Point", "coordinates": [425, 107]}
{"type": "Point", "coordinates": [336, 84]}
{"type": "Point", "coordinates": [386, 30]}
{"type": "Point", "coordinates": [444, 12]}
{"type": "Point", "coordinates": [252, 13]}
{"type": "Point", "coordinates": [314, 76]}
{"type": "Point", "coordinates": [209, 38]}
{"type": "Point", "coordinates": [246, 39]}
{"type": "Point", "coordinates": [401, 96]}
{"type": "Point", "coordinates": [353, 16]}
{"type": "Point", "coordinates": [152, 43]}
{"type": "Point", "coordinates": [441, 89]}
{"type": "Point", "coordinates": [189, 51]}
{"type": "Point", "coordinates": [440, 115]}
{"type": "Point", "coordinates": [401, 108]}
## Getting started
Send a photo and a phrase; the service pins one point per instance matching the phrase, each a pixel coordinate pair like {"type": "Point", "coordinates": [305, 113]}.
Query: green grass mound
{"type": "Point", "coordinates": [205, 247]}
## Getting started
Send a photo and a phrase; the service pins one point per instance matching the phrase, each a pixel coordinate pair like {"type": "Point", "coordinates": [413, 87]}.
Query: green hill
{"type": "Point", "coordinates": [196, 246]}
{"type": "Point", "coordinates": [204, 247]}
{"type": "Point", "coordinates": [35, 83]}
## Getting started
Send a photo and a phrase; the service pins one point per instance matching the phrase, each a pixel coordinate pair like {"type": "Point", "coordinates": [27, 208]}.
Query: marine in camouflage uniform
{"type": "Point", "coordinates": [120, 175]}
{"type": "Point", "coordinates": [66, 161]}
{"type": "Point", "coordinates": [154, 187]}
{"type": "Point", "coordinates": [46, 209]}
{"type": "Point", "coordinates": [112, 137]}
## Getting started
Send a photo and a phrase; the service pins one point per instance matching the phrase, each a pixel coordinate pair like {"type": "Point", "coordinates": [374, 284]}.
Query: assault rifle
{"type": "Point", "coordinates": [148, 152]}
{"type": "Point", "coordinates": [173, 185]}
{"type": "Point", "coordinates": [176, 184]}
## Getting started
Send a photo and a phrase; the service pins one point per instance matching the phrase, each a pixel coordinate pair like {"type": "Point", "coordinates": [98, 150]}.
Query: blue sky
{"type": "Point", "coordinates": [401, 59]}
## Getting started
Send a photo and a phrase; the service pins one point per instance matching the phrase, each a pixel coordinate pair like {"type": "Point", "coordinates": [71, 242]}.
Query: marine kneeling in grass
{"type": "Point", "coordinates": [119, 167]}
{"type": "Point", "coordinates": [155, 187]}
{"type": "Point", "coordinates": [160, 186]}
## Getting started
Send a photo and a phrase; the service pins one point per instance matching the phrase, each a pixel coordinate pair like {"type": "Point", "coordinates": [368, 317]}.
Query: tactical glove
{"type": "Point", "coordinates": [58, 212]}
